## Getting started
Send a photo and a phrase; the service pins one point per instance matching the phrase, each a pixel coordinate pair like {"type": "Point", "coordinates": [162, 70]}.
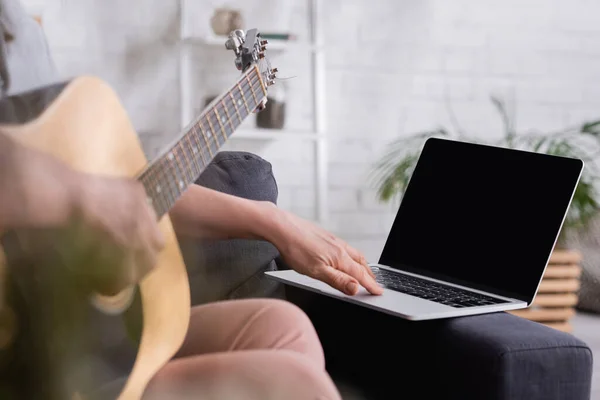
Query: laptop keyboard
{"type": "Point", "coordinates": [428, 290]}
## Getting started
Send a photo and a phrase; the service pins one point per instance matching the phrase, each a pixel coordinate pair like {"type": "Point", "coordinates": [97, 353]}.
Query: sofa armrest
{"type": "Point", "coordinates": [495, 356]}
{"type": "Point", "coordinates": [502, 356]}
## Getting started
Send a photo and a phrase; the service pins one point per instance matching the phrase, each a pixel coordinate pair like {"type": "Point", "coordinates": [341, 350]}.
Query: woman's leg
{"type": "Point", "coordinates": [253, 324]}
{"type": "Point", "coordinates": [243, 375]}
{"type": "Point", "coordinates": [260, 348]}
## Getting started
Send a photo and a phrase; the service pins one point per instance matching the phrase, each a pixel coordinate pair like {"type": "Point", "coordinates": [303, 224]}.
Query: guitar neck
{"type": "Point", "coordinates": [169, 175]}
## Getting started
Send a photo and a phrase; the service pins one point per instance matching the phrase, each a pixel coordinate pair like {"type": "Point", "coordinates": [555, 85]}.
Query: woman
{"type": "Point", "coordinates": [250, 349]}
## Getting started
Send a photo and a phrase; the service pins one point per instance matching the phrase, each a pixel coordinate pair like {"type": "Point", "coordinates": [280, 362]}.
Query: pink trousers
{"type": "Point", "coordinates": [250, 350]}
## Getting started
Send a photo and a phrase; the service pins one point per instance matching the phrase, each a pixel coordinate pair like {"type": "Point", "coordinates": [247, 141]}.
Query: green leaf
{"type": "Point", "coordinates": [508, 129]}
{"type": "Point", "coordinates": [392, 172]}
{"type": "Point", "coordinates": [592, 128]}
{"type": "Point", "coordinates": [394, 181]}
{"type": "Point", "coordinates": [539, 144]}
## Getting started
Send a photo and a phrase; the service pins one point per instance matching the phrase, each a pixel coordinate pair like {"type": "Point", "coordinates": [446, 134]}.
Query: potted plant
{"type": "Point", "coordinates": [558, 292]}
{"type": "Point", "coordinates": [392, 173]}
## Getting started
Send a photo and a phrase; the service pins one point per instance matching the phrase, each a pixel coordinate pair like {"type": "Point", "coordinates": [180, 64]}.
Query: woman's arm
{"type": "Point", "coordinates": [106, 215]}
{"type": "Point", "coordinates": [208, 214]}
{"type": "Point", "coordinates": [307, 248]}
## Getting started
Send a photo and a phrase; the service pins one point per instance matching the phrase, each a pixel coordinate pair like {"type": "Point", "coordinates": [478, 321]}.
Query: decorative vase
{"type": "Point", "coordinates": [225, 20]}
{"type": "Point", "coordinates": [273, 116]}
{"type": "Point", "coordinates": [236, 21]}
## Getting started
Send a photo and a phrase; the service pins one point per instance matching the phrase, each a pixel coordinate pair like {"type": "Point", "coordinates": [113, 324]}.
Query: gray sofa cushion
{"type": "Point", "coordinates": [229, 269]}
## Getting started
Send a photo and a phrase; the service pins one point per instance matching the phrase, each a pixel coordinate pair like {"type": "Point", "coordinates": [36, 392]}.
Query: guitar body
{"type": "Point", "coordinates": [51, 344]}
{"type": "Point", "coordinates": [86, 127]}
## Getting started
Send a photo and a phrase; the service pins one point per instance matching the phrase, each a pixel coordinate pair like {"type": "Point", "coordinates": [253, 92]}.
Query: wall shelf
{"type": "Point", "coordinates": [316, 134]}
{"type": "Point", "coordinates": [274, 134]}
{"type": "Point", "coordinates": [219, 42]}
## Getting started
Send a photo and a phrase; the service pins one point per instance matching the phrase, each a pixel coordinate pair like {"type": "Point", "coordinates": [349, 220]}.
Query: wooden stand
{"type": "Point", "coordinates": [557, 297]}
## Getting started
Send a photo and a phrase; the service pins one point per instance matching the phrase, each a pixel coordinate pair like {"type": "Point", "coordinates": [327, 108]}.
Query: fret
{"type": "Point", "coordinates": [188, 173]}
{"type": "Point", "coordinates": [163, 203]}
{"type": "Point", "coordinates": [198, 163]}
{"type": "Point", "coordinates": [157, 181]}
{"type": "Point", "coordinates": [249, 92]}
{"type": "Point", "coordinates": [148, 183]}
{"type": "Point", "coordinates": [253, 95]}
{"type": "Point", "coordinates": [263, 89]}
{"type": "Point", "coordinates": [169, 192]}
{"type": "Point", "coordinates": [212, 129]}
{"type": "Point", "coordinates": [224, 104]}
{"type": "Point", "coordinates": [196, 138]}
{"type": "Point", "coordinates": [166, 183]}
{"type": "Point", "coordinates": [170, 174]}
{"type": "Point", "coordinates": [187, 154]}
{"type": "Point", "coordinates": [220, 121]}
{"type": "Point", "coordinates": [237, 112]}
{"type": "Point", "coordinates": [163, 186]}
{"type": "Point", "coordinates": [148, 179]}
{"type": "Point", "coordinates": [178, 176]}
{"type": "Point", "coordinates": [179, 167]}
{"type": "Point", "coordinates": [213, 120]}
{"type": "Point", "coordinates": [171, 177]}
{"type": "Point", "coordinates": [243, 98]}
{"type": "Point", "coordinates": [192, 166]}
{"type": "Point", "coordinates": [205, 139]}
{"type": "Point", "coordinates": [211, 137]}
{"type": "Point", "coordinates": [224, 111]}
{"type": "Point", "coordinates": [214, 143]}
{"type": "Point", "coordinates": [258, 85]}
{"type": "Point", "coordinates": [207, 156]}
{"type": "Point", "coordinates": [158, 199]}
{"type": "Point", "coordinates": [243, 110]}
{"type": "Point", "coordinates": [174, 163]}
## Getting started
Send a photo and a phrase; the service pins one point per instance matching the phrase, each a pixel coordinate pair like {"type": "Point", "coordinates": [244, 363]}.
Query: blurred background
{"type": "Point", "coordinates": [362, 74]}
{"type": "Point", "coordinates": [388, 69]}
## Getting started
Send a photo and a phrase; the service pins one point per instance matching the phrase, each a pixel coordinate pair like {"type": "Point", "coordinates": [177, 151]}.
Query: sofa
{"type": "Point", "coordinates": [375, 356]}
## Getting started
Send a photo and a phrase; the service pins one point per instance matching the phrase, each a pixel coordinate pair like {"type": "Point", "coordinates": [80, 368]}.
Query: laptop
{"type": "Point", "coordinates": [473, 234]}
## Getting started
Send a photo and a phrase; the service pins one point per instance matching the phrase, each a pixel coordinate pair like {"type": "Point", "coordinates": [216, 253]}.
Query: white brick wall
{"type": "Point", "coordinates": [543, 54]}
{"type": "Point", "coordinates": [392, 66]}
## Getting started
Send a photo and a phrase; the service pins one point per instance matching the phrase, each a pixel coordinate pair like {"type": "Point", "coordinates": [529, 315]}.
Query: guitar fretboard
{"type": "Point", "coordinates": [167, 177]}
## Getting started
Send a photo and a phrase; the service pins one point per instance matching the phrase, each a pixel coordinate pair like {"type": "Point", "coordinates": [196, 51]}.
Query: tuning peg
{"type": "Point", "coordinates": [230, 45]}
{"type": "Point", "coordinates": [270, 82]}
{"type": "Point", "coordinates": [274, 70]}
{"type": "Point", "coordinates": [238, 63]}
{"type": "Point", "coordinates": [264, 42]}
{"type": "Point", "coordinates": [235, 40]}
{"type": "Point", "coordinates": [240, 34]}
{"type": "Point", "coordinates": [261, 55]}
{"type": "Point", "coordinates": [263, 48]}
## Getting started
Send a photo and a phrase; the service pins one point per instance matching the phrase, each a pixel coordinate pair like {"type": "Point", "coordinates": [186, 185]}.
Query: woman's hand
{"type": "Point", "coordinates": [106, 218]}
{"type": "Point", "coordinates": [312, 251]}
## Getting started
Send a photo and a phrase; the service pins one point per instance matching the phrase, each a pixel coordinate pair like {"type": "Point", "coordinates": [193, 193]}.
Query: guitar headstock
{"type": "Point", "coordinates": [249, 49]}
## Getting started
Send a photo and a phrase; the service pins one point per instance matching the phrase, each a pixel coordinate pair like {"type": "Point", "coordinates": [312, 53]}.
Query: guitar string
{"type": "Point", "coordinates": [181, 150]}
{"type": "Point", "coordinates": [160, 177]}
{"type": "Point", "coordinates": [208, 143]}
{"type": "Point", "coordinates": [156, 171]}
{"type": "Point", "coordinates": [151, 173]}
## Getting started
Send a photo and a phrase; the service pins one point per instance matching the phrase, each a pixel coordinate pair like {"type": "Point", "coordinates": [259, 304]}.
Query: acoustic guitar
{"type": "Point", "coordinates": [46, 334]}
